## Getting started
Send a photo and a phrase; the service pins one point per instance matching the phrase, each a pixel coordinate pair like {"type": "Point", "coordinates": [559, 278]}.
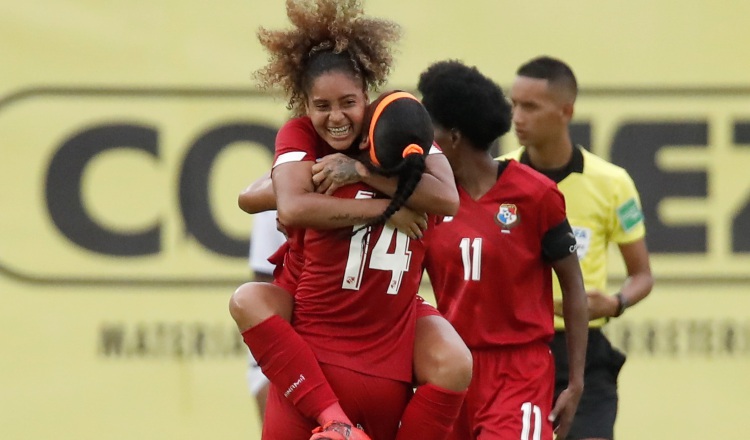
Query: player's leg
{"type": "Point", "coordinates": [374, 403]}
{"type": "Point", "coordinates": [597, 409]}
{"type": "Point", "coordinates": [515, 388]}
{"type": "Point", "coordinates": [440, 355]}
{"type": "Point", "coordinates": [262, 312]}
{"type": "Point", "coordinates": [442, 369]}
{"type": "Point", "coordinates": [254, 302]}
{"type": "Point", "coordinates": [461, 429]}
{"type": "Point", "coordinates": [282, 420]}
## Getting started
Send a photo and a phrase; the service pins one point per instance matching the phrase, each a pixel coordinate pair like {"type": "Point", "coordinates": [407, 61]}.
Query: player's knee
{"type": "Point", "coordinates": [239, 306]}
{"type": "Point", "coordinates": [250, 305]}
{"type": "Point", "coordinates": [451, 367]}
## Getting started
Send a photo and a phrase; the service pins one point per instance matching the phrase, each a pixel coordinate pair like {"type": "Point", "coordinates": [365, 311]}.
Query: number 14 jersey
{"type": "Point", "coordinates": [355, 303]}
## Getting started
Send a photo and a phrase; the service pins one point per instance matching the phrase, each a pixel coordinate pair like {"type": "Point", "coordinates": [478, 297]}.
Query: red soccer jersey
{"type": "Point", "coordinates": [355, 302]}
{"type": "Point", "coordinates": [296, 141]}
{"type": "Point", "coordinates": [486, 266]}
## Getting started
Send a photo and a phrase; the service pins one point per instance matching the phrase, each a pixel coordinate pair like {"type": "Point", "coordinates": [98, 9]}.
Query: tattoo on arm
{"type": "Point", "coordinates": [356, 218]}
{"type": "Point", "coordinates": [344, 170]}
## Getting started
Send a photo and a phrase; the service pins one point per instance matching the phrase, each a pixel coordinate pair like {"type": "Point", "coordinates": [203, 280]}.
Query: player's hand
{"type": "Point", "coordinates": [336, 170]}
{"type": "Point", "coordinates": [601, 305]}
{"type": "Point", "coordinates": [564, 410]}
{"type": "Point", "coordinates": [409, 222]}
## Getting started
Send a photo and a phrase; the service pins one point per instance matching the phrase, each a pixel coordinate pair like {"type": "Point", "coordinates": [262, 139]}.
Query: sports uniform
{"type": "Point", "coordinates": [603, 207]}
{"type": "Point", "coordinates": [355, 306]}
{"type": "Point", "coordinates": [490, 269]}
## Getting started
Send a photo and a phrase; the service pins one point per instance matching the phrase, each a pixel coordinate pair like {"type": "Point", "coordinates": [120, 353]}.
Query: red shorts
{"type": "Point", "coordinates": [373, 402]}
{"type": "Point", "coordinates": [510, 396]}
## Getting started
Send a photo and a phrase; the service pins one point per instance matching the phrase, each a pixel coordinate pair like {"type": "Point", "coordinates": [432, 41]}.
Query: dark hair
{"type": "Point", "coordinates": [458, 96]}
{"type": "Point", "coordinates": [327, 35]}
{"type": "Point", "coordinates": [400, 135]}
{"type": "Point", "coordinates": [325, 61]}
{"type": "Point", "coordinates": [553, 70]}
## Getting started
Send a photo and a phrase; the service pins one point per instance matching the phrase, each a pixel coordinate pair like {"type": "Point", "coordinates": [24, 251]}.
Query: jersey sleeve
{"type": "Point", "coordinates": [626, 220]}
{"type": "Point", "coordinates": [558, 240]}
{"type": "Point", "coordinates": [295, 142]}
{"type": "Point", "coordinates": [552, 208]}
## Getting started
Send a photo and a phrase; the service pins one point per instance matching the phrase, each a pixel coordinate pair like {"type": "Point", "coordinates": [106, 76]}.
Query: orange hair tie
{"type": "Point", "coordinates": [376, 114]}
{"type": "Point", "coordinates": [412, 149]}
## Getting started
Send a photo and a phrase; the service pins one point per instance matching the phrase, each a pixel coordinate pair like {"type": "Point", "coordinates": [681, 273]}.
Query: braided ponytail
{"type": "Point", "coordinates": [409, 175]}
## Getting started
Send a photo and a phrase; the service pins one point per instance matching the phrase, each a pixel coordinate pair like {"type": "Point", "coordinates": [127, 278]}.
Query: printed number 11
{"type": "Point", "coordinates": [471, 255]}
{"type": "Point", "coordinates": [527, 409]}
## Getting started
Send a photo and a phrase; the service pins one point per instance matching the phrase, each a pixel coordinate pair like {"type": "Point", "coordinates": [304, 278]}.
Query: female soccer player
{"type": "Point", "coordinates": [327, 65]}
{"type": "Point", "coordinates": [355, 301]}
{"type": "Point", "coordinates": [491, 266]}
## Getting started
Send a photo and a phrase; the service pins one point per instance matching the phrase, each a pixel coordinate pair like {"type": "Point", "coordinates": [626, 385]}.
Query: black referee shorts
{"type": "Point", "coordinates": [597, 409]}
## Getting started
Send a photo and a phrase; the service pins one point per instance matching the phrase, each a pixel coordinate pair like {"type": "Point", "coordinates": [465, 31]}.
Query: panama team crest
{"type": "Point", "coordinates": [507, 216]}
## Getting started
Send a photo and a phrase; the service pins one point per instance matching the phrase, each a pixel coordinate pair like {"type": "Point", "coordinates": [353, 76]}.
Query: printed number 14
{"type": "Point", "coordinates": [396, 262]}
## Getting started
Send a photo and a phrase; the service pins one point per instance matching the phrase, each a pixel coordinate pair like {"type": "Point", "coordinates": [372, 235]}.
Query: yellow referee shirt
{"type": "Point", "coordinates": [602, 205]}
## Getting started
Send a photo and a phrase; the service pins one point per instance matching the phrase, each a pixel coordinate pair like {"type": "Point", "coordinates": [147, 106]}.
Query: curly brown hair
{"type": "Point", "coordinates": [335, 27]}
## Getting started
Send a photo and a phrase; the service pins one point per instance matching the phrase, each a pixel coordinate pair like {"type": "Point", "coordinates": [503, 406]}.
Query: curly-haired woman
{"type": "Point", "coordinates": [326, 64]}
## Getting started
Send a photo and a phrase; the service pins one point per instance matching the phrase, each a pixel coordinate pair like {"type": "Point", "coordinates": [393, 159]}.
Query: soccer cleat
{"type": "Point", "coordinates": [334, 430]}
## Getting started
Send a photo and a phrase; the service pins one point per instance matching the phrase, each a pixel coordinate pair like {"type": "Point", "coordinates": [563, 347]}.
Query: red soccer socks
{"type": "Point", "coordinates": [290, 364]}
{"type": "Point", "coordinates": [430, 413]}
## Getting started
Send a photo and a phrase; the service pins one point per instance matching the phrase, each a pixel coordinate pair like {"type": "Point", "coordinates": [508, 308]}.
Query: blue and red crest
{"type": "Point", "coordinates": [507, 215]}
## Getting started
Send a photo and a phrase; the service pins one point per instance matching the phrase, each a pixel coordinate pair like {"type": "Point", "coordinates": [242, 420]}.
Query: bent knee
{"type": "Point", "coordinates": [253, 302]}
{"type": "Point", "coordinates": [456, 366]}
{"type": "Point", "coordinates": [449, 366]}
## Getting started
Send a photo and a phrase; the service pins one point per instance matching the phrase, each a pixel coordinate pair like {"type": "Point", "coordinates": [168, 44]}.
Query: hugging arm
{"type": "Point", "coordinates": [436, 192]}
{"type": "Point", "coordinates": [300, 206]}
{"type": "Point", "coordinates": [259, 196]}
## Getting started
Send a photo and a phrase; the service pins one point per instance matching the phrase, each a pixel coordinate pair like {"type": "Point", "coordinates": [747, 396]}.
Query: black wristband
{"type": "Point", "coordinates": [622, 304]}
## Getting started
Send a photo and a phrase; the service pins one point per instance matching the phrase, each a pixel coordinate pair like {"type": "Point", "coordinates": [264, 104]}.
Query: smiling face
{"type": "Point", "coordinates": [336, 104]}
{"type": "Point", "coordinates": [540, 113]}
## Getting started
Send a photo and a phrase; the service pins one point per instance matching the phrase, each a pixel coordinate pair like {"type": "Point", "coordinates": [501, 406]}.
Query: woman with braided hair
{"type": "Point", "coordinates": [364, 280]}
{"type": "Point", "coordinates": [327, 65]}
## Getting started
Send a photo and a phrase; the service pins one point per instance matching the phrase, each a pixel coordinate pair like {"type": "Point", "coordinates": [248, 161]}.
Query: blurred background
{"type": "Point", "coordinates": [128, 128]}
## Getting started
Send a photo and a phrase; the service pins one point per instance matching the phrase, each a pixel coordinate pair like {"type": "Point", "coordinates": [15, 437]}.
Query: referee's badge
{"type": "Point", "coordinates": [507, 217]}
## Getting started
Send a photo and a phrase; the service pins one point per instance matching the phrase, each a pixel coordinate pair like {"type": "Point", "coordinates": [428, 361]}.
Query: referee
{"type": "Point", "coordinates": [603, 207]}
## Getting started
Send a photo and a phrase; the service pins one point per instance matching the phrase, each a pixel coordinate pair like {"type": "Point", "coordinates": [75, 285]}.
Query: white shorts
{"type": "Point", "coordinates": [265, 239]}
{"type": "Point", "coordinates": [256, 380]}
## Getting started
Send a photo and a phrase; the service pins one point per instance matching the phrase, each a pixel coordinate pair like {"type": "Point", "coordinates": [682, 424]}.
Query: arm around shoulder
{"type": "Point", "coordinates": [298, 204]}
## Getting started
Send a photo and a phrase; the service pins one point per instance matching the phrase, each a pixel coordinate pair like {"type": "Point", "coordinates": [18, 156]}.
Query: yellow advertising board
{"type": "Point", "coordinates": [127, 129]}
{"type": "Point", "coordinates": [687, 150]}
{"type": "Point", "coordinates": [131, 185]}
